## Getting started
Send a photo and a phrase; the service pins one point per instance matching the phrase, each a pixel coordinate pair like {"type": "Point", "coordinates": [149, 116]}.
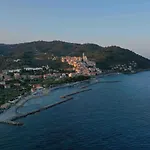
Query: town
{"type": "Point", "coordinates": [21, 82]}
{"type": "Point", "coordinates": [18, 83]}
{"type": "Point", "coordinates": [82, 66]}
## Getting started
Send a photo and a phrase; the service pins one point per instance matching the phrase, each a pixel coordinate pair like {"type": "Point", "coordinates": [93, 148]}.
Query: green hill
{"type": "Point", "coordinates": [42, 53]}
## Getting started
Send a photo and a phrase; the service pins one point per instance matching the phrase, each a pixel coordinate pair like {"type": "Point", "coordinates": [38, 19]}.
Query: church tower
{"type": "Point", "coordinates": [84, 57]}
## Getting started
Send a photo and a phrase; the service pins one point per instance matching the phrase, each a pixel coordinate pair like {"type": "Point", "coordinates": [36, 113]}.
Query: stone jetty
{"type": "Point", "coordinates": [74, 93]}
{"type": "Point", "coordinates": [12, 123]}
{"type": "Point", "coordinates": [97, 82]}
{"type": "Point", "coordinates": [41, 109]}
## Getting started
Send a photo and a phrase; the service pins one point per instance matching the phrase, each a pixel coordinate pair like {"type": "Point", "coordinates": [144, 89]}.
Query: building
{"type": "Point", "coordinates": [33, 69]}
{"type": "Point", "coordinates": [84, 57]}
{"type": "Point", "coordinates": [1, 76]}
{"type": "Point", "coordinates": [5, 106]}
{"type": "Point", "coordinates": [17, 75]}
{"type": "Point", "coordinates": [7, 77]}
{"type": "Point", "coordinates": [81, 65]}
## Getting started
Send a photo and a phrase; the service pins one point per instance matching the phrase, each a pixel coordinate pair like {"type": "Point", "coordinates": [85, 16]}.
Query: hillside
{"type": "Point", "coordinates": [42, 52]}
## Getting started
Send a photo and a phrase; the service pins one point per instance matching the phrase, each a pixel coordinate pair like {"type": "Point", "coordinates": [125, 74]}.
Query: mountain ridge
{"type": "Point", "coordinates": [105, 57]}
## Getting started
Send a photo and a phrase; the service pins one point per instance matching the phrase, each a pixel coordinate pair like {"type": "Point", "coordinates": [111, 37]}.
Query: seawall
{"type": "Point", "coordinates": [74, 93]}
{"type": "Point", "coordinates": [12, 123]}
{"type": "Point", "coordinates": [41, 109]}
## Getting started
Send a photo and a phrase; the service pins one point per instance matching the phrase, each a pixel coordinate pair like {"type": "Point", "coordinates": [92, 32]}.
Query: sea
{"type": "Point", "coordinates": [112, 116]}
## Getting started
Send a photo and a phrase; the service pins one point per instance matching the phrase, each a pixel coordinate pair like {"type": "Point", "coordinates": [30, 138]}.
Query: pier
{"type": "Point", "coordinates": [97, 82]}
{"type": "Point", "coordinates": [12, 123]}
{"type": "Point", "coordinates": [41, 109]}
{"type": "Point", "coordinates": [12, 120]}
{"type": "Point", "coordinates": [83, 87]}
{"type": "Point", "coordinates": [109, 81]}
{"type": "Point", "coordinates": [74, 93]}
{"type": "Point", "coordinates": [103, 82]}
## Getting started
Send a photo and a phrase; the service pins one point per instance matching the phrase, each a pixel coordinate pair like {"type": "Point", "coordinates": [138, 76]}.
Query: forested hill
{"type": "Point", "coordinates": [104, 56]}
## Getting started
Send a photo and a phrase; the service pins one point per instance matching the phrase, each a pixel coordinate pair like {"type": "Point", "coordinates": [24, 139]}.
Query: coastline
{"type": "Point", "coordinates": [11, 120]}
{"type": "Point", "coordinates": [12, 112]}
{"type": "Point", "coordinates": [82, 87]}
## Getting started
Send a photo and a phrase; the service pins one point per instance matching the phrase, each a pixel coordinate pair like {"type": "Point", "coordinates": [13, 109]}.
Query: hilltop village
{"type": "Point", "coordinates": [82, 66]}
{"type": "Point", "coordinates": [18, 83]}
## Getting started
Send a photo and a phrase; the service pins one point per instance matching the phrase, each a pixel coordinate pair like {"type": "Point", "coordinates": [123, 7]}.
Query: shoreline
{"type": "Point", "coordinates": [68, 97]}
{"type": "Point", "coordinates": [36, 111]}
{"type": "Point", "coordinates": [82, 88]}
{"type": "Point", "coordinates": [13, 110]}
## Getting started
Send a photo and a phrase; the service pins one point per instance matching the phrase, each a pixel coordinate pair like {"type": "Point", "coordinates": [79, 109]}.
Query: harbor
{"type": "Point", "coordinates": [41, 109]}
{"type": "Point", "coordinates": [12, 114]}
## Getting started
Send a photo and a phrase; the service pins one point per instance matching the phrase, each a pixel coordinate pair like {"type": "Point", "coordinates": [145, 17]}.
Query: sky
{"type": "Point", "coordinates": [124, 23]}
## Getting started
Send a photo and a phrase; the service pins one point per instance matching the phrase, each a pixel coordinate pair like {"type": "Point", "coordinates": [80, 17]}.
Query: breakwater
{"type": "Point", "coordinates": [83, 87]}
{"type": "Point", "coordinates": [41, 109]}
{"type": "Point", "coordinates": [74, 93]}
{"type": "Point", "coordinates": [68, 96]}
{"type": "Point", "coordinates": [109, 81]}
{"type": "Point", "coordinates": [97, 82]}
{"type": "Point", "coordinates": [12, 123]}
{"type": "Point", "coordinates": [26, 99]}
{"type": "Point", "coordinates": [104, 82]}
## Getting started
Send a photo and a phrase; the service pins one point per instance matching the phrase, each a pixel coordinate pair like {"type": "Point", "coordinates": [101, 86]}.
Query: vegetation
{"type": "Point", "coordinates": [42, 53]}
{"type": "Point", "coordinates": [10, 94]}
{"type": "Point", "coordinates": [53, 82]}
{"type": "Point", "coordinates": [26, 85]}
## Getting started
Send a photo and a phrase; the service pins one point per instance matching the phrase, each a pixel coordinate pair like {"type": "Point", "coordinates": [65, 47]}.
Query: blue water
{"type": "Point", "coordinates": [112, 116]}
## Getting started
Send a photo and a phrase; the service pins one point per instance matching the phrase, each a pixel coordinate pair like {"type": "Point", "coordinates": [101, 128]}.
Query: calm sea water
{"type": "Point", "coordinates": [112, 116]}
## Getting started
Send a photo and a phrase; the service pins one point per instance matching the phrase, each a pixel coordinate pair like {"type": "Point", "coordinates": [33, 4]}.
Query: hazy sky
{"type": "Point", "coordinates": [106, 22]}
